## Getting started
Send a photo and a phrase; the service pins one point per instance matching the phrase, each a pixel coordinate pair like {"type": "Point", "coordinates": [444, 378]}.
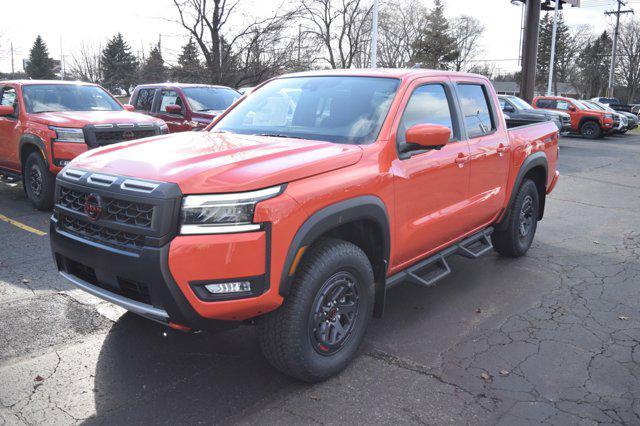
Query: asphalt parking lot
{"type": "Point", "coordinates": [553, 336]}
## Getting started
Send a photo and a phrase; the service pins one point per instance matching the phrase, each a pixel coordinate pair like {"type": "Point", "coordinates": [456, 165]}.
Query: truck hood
{"type": "Point", "coordinates": [81, 118]}
{"type": "Point", "coordinates": [207, 162]}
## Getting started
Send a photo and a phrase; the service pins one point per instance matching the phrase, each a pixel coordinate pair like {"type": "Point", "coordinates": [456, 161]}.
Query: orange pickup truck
{"type": "Point", "coordinates": [299, 206]}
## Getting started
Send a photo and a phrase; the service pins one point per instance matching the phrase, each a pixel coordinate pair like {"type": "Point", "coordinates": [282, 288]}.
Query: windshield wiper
{"type": "Point", "coordinates": [278, 135]}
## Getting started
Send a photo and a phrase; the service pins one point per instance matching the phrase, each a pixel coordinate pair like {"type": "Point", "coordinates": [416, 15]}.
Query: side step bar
{"type": "Point", "coordinates": [432, 269]}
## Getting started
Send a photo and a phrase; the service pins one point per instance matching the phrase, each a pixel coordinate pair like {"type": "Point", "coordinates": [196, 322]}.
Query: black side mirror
{"type": "Point", "coordinates": [508, 108]}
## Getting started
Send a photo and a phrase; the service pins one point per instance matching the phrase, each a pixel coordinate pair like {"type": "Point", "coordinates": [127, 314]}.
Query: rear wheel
{"type": "Point", "coordinates": [515, 238]}
{"type": "Point", "coordinates": [319, 328]}
{"type": "Point", "coordinates": [39, 183]}
{"type": "Point", "coordinates": [590, 130]}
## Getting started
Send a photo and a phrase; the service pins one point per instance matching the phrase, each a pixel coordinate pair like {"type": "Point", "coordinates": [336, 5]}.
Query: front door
{"type": "Point", "coordinates": [9, 131]}
{"type": "Point", "coordinates": [431, 186]}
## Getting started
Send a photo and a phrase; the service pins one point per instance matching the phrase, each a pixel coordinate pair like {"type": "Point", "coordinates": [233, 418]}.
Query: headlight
{"type": "Point", "coordinates": [608, 116]}
{"type": "Point", "coordinates": [66, 134]}
{"type": "Point", "coordinates": [222, 213]}
{"type": "Point", "coordinates": [164, 129]}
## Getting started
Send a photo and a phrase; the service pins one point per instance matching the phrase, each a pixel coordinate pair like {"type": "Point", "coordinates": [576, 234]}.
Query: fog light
{"type": "Point", "coordinates": [226, 288]}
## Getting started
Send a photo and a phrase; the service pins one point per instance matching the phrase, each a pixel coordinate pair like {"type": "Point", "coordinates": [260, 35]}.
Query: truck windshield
{"type": "Point", "coordinates": [203, 99]}
{"type": "Point", "coordinates": [337, 109]}
{"type": "Point", "coordinates": [67, 97]}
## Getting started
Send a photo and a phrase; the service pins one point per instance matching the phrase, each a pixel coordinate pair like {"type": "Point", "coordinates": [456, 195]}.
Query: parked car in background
{"type": "Point", "coordinates": [633, 119]}
{"type": "Point", "coordinates": [45, 124]}
{"type": "Point", "coordinates": [615, 103]}
{"type": "Point", "coordinates": [585, 121]}
{"type": "Point", "coordinates": [624, 124]}
{"type": "Point", "coordinates": [519, 113]}
{"type": "Point", "coordinates": [183, 107]}
{"type": "Point", "coordinates": [303, 204]}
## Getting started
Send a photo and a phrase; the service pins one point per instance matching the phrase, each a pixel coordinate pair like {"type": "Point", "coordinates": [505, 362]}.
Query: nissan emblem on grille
{"type": "Point", "coordinates": [128, 135]}
{"type": "Point", "coordinates": [93, 207]}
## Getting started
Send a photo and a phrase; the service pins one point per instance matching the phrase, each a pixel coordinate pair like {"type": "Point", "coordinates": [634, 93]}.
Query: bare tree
{"type": "Point", "coordinates": [629, 59]}
{"type": "Point", "coordinates": [398, 29]}
{"type": "Point", "coordinates": [85, 64]}
{"type": "Point", "coordinates": [467, 31]}
{"type": "Point", "coordinates": [341, 27]}
{"type": "Point", "coordinates": [225, 47]}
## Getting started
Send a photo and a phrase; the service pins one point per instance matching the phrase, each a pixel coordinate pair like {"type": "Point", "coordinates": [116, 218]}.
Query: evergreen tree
{"type": "Point", "coordinates": [565, 55]}
{"type": "Point", "coordinates": [435, 46]}
{"type": "Point", "coordinates": [40, 65]}
{"type": "Point", "coordinates": [153, 70]}
{"type": "Point", "coordinates": [189, 69]}
{"type": "Point", "coordinates": [593, 66]}
{"type": "Point", "coordinates": [119, 65]}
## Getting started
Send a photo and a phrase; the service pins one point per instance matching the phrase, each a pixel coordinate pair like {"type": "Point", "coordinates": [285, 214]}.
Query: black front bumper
{"type": "Point", "coordinates": [139, 282]}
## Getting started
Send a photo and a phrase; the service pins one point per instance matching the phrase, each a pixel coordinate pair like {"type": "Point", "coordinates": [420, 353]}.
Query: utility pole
{"type": "Point", "coordinates": [61, 60]}
{"type": "Point", "coordinates": [552, 60]}
{"type": "Point", "coordinates": [374, 35]}
{"type": "Point", "coordinates": [530, 50]}
{"type": "Point", "coordinates": [12, 69]}
{"type": "Point", "coordinates": [299, 42]}
{"type": "Point", "coordinates": [614, 49]}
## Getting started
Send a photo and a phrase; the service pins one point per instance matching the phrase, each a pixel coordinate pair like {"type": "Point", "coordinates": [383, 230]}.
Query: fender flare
{"type": "Point", "coordinates": [366, 207]}
{"type": "Point", "coordinates": [31, 139]}
{"type": "Point", "coordinates": [534, 160]}
{"type": "Point", "coordinates": [589, 118]}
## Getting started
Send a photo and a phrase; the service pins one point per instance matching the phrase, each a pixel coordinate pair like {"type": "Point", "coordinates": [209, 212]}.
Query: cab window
{"type": "Point", "coordinates": [562, 105]}
{"type": "Point", "coordinates": [546, 103]}
{"type": "Point", "coordinates": [169, 97]}
{"type": "Point", "coordinates": [9, 97]}
{"type": "Point", "coordinates": [144, 101]}
{"type": "Point", "coordinates": [429, 104]}
{"type": "Point", "coordinates": [476, 109]}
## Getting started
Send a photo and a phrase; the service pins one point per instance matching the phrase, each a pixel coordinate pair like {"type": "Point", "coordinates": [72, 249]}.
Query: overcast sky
{"type": "Point", "coordinates": [68, 23]}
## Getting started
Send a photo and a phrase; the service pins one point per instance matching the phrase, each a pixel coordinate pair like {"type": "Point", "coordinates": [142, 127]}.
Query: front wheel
{"type": "Point", "coordinates": [321, 325]}
{"type": "Point", "coordinates": [591, 130]}
{"type": "Point", "coordinates": [39, 182]}
{"type": "Point", "coordinates": [516, 236]}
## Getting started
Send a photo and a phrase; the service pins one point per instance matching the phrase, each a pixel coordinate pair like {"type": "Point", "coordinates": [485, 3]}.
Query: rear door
{"type": "Point", "coordinates": [489, 148]}
{"type": "Point", "coordinates": [431, 185]}
{"type": "Point", "coordinates": [10, 130]}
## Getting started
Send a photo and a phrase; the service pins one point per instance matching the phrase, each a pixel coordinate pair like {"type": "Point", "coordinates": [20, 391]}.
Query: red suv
{"type": "Point", "coordinates": [589, 123]}
{"type": "Point", "coordinates": [182, 106]}
{"type": "Point", "coordinates": [46, 124]}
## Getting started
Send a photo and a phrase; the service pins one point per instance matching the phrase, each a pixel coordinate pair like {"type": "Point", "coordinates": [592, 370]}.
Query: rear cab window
{"type": "Point", "coordinates": [476, 108]}
{"type": "Point", "coordinates": [144, 99]}
{"type": "Point", "coordinates": [546, 103]}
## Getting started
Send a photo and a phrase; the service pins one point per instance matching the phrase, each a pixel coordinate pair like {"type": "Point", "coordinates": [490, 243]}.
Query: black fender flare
{"type": "Point", "coordinates": [30, 139]}
{"type": "Point", "coordinates": [536, 159]}
{"type": "Point", "coordinates": [589, 118]}
{"type": "Point", "coordinates": [365, 207]}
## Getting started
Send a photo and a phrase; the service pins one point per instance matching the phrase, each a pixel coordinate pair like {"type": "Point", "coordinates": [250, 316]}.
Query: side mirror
{"type": "Point", "coordinates": [174, 109]}
{"type": "Point", "coordinates": [428, 135]}
{"type": "Point", "coordinates": [508, 108]}
{"type": "Point", "coordinates": [6, 110]}
{"type": "Point", "coordinates": [129, 107]}
{"type": "Point", "coordinates": [572, 108]}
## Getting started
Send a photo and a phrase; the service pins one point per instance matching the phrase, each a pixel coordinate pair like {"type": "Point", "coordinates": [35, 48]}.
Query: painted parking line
{"type": "Point", "coordinates": [22, 226]}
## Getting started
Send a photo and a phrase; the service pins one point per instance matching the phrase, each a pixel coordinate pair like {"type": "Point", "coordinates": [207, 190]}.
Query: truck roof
{"type": "Point", "coordinates": [25, 82]}
{"type": "Point", "coordinates": [382, 72]}
{"type": "Point", "coordinates": [180, 85]}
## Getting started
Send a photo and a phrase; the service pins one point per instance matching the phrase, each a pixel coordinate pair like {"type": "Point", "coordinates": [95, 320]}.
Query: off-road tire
{"type": "Point", "coordinates": [509, 240]}
{"type": "Point", "coordinates": [590, 130]}
{"type": "Point", "coordinates": [39, 182]}
{"type": "Point", "coordinates": [286, 335]}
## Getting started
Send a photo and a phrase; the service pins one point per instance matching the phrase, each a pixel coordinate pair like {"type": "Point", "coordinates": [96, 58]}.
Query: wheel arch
{"type": "Point", "coordinates": [363, 221]}
{"type": "Point", "coordinates": [589, 118]}
{"type": "Point", "coordinates": [535, 167]}
{"type": "Point", "coordinates": [30, 143]}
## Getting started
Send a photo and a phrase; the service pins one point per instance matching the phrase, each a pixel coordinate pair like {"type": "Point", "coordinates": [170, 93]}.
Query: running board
{"type": "Point", "coordinates": [434, 268]}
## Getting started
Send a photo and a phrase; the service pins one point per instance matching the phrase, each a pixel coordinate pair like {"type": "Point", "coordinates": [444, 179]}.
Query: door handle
{"type": "Point", "coordinates": [461, 159]}
{"type": "Point", "coordinates": [502, 149]}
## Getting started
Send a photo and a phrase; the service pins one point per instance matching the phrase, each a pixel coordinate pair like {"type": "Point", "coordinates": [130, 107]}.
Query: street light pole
{"type": "Point", "coordinates": [553, 49]}
{"type": "Point", "coordinates": [374, 35]}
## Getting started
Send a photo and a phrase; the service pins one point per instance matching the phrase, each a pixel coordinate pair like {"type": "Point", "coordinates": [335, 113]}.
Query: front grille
{"type": "Point", "coordinates": [130, 213]}
{"type": "Point", "coordinates": [115, 136]}
{"type": "Point", "coordinates": [102, 234]}
{"type": "Point", "coordinates": [134, 290]}
{"type": "Point", "coordinates": [566, 119]}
